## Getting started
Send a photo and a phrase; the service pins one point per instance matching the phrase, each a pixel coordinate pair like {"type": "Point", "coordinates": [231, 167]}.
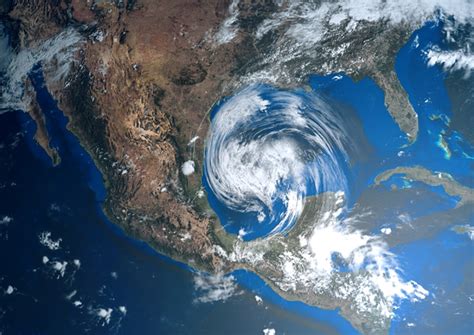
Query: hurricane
{"type": "Point", "coordinates": [268, 149]}
{"type": "Point", "coordinates": [283, 159]}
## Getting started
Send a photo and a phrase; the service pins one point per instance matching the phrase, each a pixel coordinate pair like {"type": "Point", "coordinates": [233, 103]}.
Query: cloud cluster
{"type": "Point", "coordinates": [214, 287]}
{"type": "Point", "coordinates": [58, 50]}
{"type": "Point", "coordinates": [451, 60]}
{"type": "Point", "coordinates": [339, 260]}
{"type": "Point", "coordinates": [268, 147]}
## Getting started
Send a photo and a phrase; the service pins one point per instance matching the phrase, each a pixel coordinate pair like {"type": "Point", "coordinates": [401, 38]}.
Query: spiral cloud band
{"type": "Point", "coordinates": [268, 149]}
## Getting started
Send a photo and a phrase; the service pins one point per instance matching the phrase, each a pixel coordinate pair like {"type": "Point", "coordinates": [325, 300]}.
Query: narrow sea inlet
{"type": "Point", "coordinates": [396, 219]}
{"type": "Point", "coordinates": [80, 265]}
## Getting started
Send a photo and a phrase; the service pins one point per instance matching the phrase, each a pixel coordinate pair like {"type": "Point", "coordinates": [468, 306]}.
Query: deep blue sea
{"type": "Point", "coordinates": [423, 261]}
{"type": "Point", "coordinates": [147, 293]}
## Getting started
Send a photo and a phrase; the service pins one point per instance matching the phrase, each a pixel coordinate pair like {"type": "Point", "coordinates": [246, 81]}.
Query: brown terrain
{"type": "Point", "coordinates": [148, 74]}
{"type": "Point", "coordinates": [142, 89]}
{"type": "Point", "coordinates": [151, 84]}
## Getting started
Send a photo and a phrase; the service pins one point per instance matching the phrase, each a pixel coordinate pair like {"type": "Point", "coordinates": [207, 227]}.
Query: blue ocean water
{"type": "Point", "coordinates": [273, 124]}
{"type": "Point", "coordinates": [427, 93]}
{"type": "Point", "coordinates": [116, 271]}
{"type": "Point", "coordinates": [444, 266]}
{"type": "Point", "coordinates": [428, 96]}
{"type": "Point", "coordinates": [442, 263]}
{"type": "Point", "coordinates": [106, 271]}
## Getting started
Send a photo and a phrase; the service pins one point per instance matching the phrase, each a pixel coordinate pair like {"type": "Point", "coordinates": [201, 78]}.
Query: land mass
{"type": "Point", "coordinates": [140, 86]}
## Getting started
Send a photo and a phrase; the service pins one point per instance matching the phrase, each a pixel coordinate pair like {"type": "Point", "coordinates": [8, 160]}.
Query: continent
{"type": "Point", "coordinates": [138, 91]}
{"type": "Point", "coordinates": [290, 267]}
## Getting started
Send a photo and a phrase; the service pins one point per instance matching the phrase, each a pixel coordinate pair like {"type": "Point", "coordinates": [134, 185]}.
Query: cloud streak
{"type": "Point", "coordinates": [212, 288]}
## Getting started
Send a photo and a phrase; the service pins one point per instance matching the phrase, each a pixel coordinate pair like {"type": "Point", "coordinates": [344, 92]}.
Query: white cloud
{"type": "Point", "coordinates": [376, 288]}
{"type": "Point", "coordinates": [228, 29]}
{"type": "Point", "coordinates": [405, 10]}
{"type": "Point", "coordinates": [193, 140]}
{"type": "Point", "coordinates": [5, 220]}
{"type": "Point", "coordinates": [451, 60]}
{"type": "Point", "coordinates": [187, 168]}
{"type": "Point", "coordinates": [55, 54]}
{"type": "Point", "coordinates": [10, 289]}
{"type": "Point", "coordinates": [46, 240]}
{"type": "Point", "coordinates": [250, 176]}
{"type": "Point", "coordinates": [123, 310]}
{"type": "Point", "coordinates": [104, 315]}
{"type": "Point", "coordinates": [242, 233]}
{"type": "Point", "coordinates": [314, 17]}
{"type": "Point", "coordinates": [303, 25]}
{"type": "Point", "coordinates": [405, 218]}
{"type": "Point", "coordinates": [386, 230]}
{"type": "Point", "coordinates": [59, 267]}
{"type": "Point", "coordinates": [71, 295]}
{"type": "Point", "coordinates": [269, 331]}
{"type": "Point", "coordinates": [336, 260]}
{"type": "Point", "coordinates": [327, 240]}
{"type": "Point", "coordinates": [185, 236]}
{"type": "Point", "coordinates": [212, 288]}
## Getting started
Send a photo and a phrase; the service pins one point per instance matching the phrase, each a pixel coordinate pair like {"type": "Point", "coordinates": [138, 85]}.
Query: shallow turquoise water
{"type": "Point", "coordinates": [159, 292]}
{"type": "Point", "coordinates": [390, 148]}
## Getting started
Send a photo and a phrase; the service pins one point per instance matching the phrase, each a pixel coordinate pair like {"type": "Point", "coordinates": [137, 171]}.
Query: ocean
{"type": "Point", "coordinates": [67, 269]}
